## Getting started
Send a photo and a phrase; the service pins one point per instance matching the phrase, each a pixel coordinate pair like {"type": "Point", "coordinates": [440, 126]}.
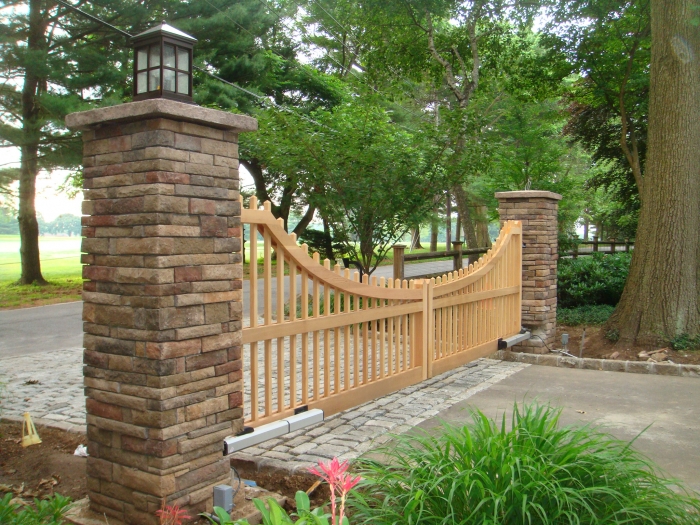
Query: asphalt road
{"type": "Point", "coordinates": [35, 330]}
{"type": "Point", "coordinates": [59, 327]}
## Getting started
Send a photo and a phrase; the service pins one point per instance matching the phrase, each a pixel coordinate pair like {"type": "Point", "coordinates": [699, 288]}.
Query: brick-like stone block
{"type": "Point", "coordinates": [162, 303]}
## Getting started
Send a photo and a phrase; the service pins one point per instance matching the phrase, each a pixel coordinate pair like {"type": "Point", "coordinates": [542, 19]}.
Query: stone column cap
{"type": "Point", "coordinates": [528, 194]}
{"type": "Point", "coordinates": [161, 108]}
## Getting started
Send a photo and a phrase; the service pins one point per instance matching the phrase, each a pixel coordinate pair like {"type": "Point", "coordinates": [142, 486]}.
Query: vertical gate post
{"type": "Point", "coordinates": [399, 251]}
{"type": "Point", "coordinates": [458, 260]}
{"type": "Point", "coordinates": [538, 212]}
{"type": "Point", "coordinates": [162, 303]}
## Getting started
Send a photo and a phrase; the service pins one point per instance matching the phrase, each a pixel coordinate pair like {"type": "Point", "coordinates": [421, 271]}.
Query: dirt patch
{"type": "Point", "coordinates": [50, 467]}
{"type": "Point", "coordinates": [284, 483]}
{"type": "Point", "coordinates": [43, 469]}
{"type": "Point", "coordinates": [596, 346]}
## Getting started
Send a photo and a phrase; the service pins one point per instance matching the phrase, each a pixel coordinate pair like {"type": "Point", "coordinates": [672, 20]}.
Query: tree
{"type": "Point", "coordinates": [64, 224]}
{"type": "Point", "coordinates": [250, 43]}
{"type": "Point", "coordinates": [608, 45]}
{"type": "Point", "coordinates": [528, 150]}
{"type": "Point", "coordinates": [373, 179]}
{"type": "Point", "coordinates": [54, 62]}
{"type": "Point", "coordinates": [369, 178]}
{"type": "Point", "coordinates": [466, 56]}
{"type": "Point", "coordinates": [661, 299]}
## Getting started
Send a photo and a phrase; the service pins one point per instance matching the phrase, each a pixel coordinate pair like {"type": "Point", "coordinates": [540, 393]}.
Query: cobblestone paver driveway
{"type": "Point", "coordinates": [50, 387]}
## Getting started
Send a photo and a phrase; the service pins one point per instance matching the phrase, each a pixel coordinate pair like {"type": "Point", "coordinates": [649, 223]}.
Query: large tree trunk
{"type": "Point", "coordinates": [660, 300]}
{"type": "Point", "coordinates": [433, 234]}
{"type": "Point", "coordinates": [482, 225]}
{"type": "Point", "coordinates": [448, 222]}
{"type": "Point", "coordinates": [415, 239]}
{"type": "Point", "coordinates": [29, 167]}
{"type": "Point", "coordinates": [467, 224]}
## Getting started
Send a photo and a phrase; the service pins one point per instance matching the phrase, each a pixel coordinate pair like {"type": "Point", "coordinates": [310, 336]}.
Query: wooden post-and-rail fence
{"type": "Point", "coordinates": [457, 254]}
{"type": "Point", "coordinates": [609, 246]}
{"type": "Point", "coordinates": [319, 337]}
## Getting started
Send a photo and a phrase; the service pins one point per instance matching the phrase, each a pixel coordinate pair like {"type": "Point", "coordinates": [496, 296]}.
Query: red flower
{"type": "Point", "coordinates": [335, 474]}
{"type": "Point", "coordinates": [171, 514]}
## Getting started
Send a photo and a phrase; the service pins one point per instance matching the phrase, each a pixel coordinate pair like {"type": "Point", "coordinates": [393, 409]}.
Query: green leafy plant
{"type": "Point", "coordinates": [567, 242]}
{"type": "Point", "coordinates": [584, 315]}
{"type": "Point", "coordinates": [531, 473]}
{"type": "Point", "coordinates": [595, 279]}
{"type": "Point", "coordinates": [685, 342]}
{"type": "Point", "coordinates": [333, 472]}
{"type": "Point", "coordinates": [613, 335]}
{"type": "Point", "coordinates": [48, 511]}
{"type": "Point", "coordinates": [274, 514]}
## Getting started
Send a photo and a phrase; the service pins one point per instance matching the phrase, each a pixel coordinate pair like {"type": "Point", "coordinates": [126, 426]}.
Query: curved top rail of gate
{"type": "Point", "coordinates": [454, 281]}
{"type": "Point", "coordinates": [299, 254]}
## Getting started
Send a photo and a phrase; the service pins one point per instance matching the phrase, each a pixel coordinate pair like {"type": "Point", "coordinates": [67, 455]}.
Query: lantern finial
{"type": "Point", "coordinates": [163, 63]}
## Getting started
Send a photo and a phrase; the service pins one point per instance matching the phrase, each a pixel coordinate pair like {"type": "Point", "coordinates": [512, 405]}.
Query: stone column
{"type": "Point", "coordinates": [538, 212]}
{"type": "Point", "coordinates": [162, 303]}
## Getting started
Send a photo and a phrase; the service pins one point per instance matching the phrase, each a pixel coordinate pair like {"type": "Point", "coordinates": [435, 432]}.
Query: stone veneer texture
{"type": "Point", "coordinates": [162, 310]}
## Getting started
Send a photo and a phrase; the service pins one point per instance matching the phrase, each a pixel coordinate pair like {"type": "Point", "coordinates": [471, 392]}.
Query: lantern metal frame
{"type": "Point", "coordinates": [163, 35]}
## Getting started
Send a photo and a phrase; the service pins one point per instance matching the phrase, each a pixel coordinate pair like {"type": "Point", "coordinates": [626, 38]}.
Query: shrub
{"type": "Point", "coordinates": [685, 342]}
{"type": "Point", "coordinates": [586, 315]}
{"type": "Point", "coordinates": [49, 511]}
{"type": "Point", "coordinates": [613, 335]}
{"type": "Point", "coordinates": [534, 473]}
{"type": "Point", "coordinates": [594, 279]}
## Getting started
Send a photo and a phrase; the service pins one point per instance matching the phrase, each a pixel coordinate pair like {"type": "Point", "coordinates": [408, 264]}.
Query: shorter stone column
{"type": "Point", "coordinates": [538, 212]}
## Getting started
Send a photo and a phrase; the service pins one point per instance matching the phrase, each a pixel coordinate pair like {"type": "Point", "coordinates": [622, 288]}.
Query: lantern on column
{"type": "Point", "coordinates": [163, 64]}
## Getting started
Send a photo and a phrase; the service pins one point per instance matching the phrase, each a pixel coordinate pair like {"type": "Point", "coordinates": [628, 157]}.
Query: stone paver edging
{"type": "Point", "coordinates": [609, 365]}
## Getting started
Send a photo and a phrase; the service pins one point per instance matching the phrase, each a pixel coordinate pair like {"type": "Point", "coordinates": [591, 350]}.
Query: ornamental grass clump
{"type": "Point", "coordinates": [533, 473]}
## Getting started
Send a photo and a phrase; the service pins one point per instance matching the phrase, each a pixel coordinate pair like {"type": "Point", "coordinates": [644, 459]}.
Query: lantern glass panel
{"type": "Point", "coordinates": [154, 80]}
{"type": "Point", "coordinates": [183, 83]}
{"type": "Point", "coordinates": [142, 82]}
{"type": "Point", "coordinates": [183, 59]}
{"type": "Point", "coordinates": [169, 56]}
{"type": "Point", "coordinates": [169, 80]}
{"type": "Point", "coordinates": [142, 59]}
{"type": "Point", "coordinates": [155, 56]}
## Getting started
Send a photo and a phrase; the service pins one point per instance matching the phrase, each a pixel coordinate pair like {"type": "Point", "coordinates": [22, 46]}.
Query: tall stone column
{"type": "Point", "coordinates": [162, 303]}
{"type": "Point", "coordinates": [538, 212]}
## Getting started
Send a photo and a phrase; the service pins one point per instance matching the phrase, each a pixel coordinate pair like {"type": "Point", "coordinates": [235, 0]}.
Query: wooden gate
{"type": "Point", "coordinates": [318, 337]}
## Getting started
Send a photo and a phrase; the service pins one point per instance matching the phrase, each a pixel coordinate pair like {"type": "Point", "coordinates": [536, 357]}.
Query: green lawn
{"type": "Point", "coordinates": [60, 257]}
{"type": "Point", "coordinates": [60, 265]}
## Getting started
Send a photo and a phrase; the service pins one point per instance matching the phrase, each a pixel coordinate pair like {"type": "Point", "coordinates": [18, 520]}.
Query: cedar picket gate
{"type": "Point", "coordinates": [339, 342]}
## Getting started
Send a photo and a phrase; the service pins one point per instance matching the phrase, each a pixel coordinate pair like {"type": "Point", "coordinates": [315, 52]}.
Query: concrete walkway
{"type": "Point", "coordinates": [624, 404]}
